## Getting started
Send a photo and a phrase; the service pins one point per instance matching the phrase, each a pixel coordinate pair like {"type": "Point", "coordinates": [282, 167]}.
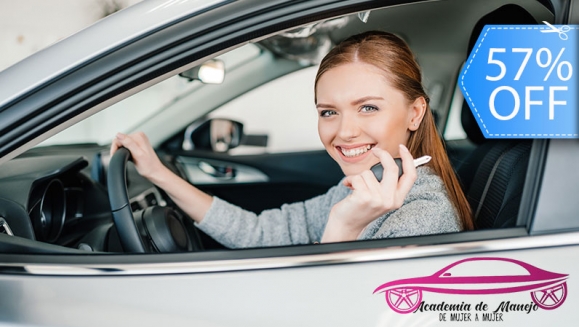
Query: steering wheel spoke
{"type": "Point", "coordinates": [155, 229]}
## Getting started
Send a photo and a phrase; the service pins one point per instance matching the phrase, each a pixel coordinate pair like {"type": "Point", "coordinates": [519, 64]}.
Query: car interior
{"type": "Point", "coordinates": [58, 198]}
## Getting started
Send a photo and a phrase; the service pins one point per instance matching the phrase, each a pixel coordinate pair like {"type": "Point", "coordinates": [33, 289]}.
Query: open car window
{"type": "Point", "coordinates": [66, 260]}
{"type": "Point", "coordinates": [127, 115]}
{"type": "Point", "coordinates": [279, 160]}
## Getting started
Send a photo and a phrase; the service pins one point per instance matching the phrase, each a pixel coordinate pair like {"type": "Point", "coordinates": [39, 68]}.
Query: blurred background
{"type": "Point", "coordinates": [27, 26]}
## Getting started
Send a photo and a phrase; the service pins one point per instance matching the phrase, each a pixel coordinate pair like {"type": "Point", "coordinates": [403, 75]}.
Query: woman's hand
{"type": "Point", "coordinates": [142, 153]}
{"type": "Point", "coordinates": [194, 202]}
{"type": "Point", "coordinates": [370, 199]}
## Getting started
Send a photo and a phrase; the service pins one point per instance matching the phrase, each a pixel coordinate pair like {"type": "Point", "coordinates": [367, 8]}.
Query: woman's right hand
{"type": "Point", "coordinates": [370, 198]}
{"type": "Point", "coordinates": [142, 153]}
{"type": "Point", "coordinates": [194, 202]}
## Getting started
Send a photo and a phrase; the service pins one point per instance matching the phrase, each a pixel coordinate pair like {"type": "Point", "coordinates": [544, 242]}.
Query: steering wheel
{"type": "Point", "coordinates": [155, 229]}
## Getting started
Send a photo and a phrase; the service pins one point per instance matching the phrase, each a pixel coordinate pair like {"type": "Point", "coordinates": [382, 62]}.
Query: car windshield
{"type": "Point", "coordinates": [486, 268]}
{"type": "Point", "coordinates": [128, 114]}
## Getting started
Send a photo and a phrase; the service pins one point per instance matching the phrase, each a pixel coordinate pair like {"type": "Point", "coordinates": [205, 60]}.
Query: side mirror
{"type": "Point", "coordinates": [210, 72]}
{"type": "Point", "coordinates": [217, 135]}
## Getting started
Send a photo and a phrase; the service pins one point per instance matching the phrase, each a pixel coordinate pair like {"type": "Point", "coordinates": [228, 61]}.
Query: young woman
{"type": "Point", "coordinates": [372, 107]}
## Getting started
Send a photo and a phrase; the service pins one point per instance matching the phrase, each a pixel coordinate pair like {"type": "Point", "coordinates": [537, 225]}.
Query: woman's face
{"type": "Point", "coordinates": [358, 109]}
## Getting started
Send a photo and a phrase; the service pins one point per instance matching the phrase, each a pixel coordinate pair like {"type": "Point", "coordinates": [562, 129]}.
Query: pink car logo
{"type": "Point", "coordinates": [548, 289]}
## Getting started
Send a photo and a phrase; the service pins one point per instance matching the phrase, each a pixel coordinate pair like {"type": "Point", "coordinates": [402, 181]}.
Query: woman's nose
{"type": "Point", "coordinates": [349, 129]}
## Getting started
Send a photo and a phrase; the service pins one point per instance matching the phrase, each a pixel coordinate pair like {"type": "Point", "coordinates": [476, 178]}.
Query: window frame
{"type": "Point", "coordinates": [135, 66]}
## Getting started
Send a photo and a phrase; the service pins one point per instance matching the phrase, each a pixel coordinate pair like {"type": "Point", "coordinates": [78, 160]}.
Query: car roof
{"type": "Point", "coordinates": [105, 35]}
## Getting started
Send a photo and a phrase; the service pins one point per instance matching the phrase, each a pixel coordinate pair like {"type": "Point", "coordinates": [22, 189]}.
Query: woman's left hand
{"type": "Point", "coordinates": [370, 199]}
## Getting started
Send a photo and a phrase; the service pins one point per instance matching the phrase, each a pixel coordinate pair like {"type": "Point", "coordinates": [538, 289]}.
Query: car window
{"type": "Point", "coordinates": [128, 114]}
{"type": "Point", "coordinates": [283, 109]}
{"type": "Point", "coordinates": [453, 128]}
{"type": "Point", "coordinates": [280, 107]}
{"type": "Point", "coordinates": [485, 268]}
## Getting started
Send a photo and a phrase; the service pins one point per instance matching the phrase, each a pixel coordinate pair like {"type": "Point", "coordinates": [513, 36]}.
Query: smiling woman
{"type": "Point", "coordinates": [369, 110]}
{"type": "Point", "coordinates": [373, 84]}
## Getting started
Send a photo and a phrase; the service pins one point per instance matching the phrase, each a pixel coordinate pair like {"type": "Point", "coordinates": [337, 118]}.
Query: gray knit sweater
{"type": "Point", "coordinates": [426, 210]}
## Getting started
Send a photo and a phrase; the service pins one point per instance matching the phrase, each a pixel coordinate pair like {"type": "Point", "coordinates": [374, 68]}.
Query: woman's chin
{"type": "Point", "coordinates": [360, 168]}
{"type": "Point", "coordinates": [354, 165]}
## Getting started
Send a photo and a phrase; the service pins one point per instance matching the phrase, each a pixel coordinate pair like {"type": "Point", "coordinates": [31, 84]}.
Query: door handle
{"type": "Point", "coordinates": [217, 171]}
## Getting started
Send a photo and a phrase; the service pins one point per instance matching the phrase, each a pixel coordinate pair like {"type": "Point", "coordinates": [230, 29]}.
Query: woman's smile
{"type": "Point", "coordinates": [354, 153]}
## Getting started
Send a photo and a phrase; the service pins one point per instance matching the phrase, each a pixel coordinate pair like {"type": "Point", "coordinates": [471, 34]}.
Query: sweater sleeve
{"type": "Point", "coordinates": [420, 217]}
{"type": "Point", "coordinates": [426, 210]}
{"type": "Point", "coordinates": [296, 223]}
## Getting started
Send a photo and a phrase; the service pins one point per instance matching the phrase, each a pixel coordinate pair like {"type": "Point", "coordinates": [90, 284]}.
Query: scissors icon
{"type": "Point", "coordinates": [562, 31]}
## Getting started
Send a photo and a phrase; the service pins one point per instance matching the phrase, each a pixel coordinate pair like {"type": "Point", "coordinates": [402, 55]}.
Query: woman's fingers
{"type": "Point", "coordinates": [390, 174]}
{"type": "Point", "coordinates": [348, 182]}
{"type": "Point", "coordinates": [394, 189]}
{"type": "Point", "coordinates": [407, 164]}
{"type": "Point", "coordinates": [142, 139]}
{"type": "Point", "coordinates": [142, 153]}
{"type": "Point", "coordinates": [409, 176]}
{"type": "Point", "coordinates": [371, 182]}
{"type": "Point", "coordinates": [135, 144]}
{"type": "Point", "coordinates": [115, 145]}
{"type": "Point", "coordinates": [390, 192]}
{"type": "Point", "coordinates": [357, 183]}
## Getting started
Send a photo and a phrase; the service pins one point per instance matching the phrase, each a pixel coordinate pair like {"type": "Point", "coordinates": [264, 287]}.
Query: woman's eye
{"type": "Point", "coordinates": [368, 108]}
{"type": "Point", "coordinates": [327, 113]}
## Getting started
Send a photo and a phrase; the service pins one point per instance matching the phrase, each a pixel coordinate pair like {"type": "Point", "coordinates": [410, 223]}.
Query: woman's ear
{"type": "Point", "coordinates": [417, 111]}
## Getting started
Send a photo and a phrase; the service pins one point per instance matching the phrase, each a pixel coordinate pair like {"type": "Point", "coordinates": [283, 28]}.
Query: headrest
{"type": "Point", "coordinates": [505, 15]}
{"type": "Point", "coordinates": [470, 125]}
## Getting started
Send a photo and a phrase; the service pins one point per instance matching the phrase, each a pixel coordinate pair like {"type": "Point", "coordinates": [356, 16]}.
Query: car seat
{"type": "Point", "coordinates": [492, 177]}
{"type": "Point", "coordinates": [493, 174]}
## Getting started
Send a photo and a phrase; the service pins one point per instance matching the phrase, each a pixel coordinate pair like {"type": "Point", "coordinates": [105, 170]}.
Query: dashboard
{"type": "Point", "coordinates": [55, 199]}
{"type": "Point", "coordinates": [57, 195]}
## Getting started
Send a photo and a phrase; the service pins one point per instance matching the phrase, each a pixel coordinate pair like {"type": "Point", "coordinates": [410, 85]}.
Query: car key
{"type": "Point", "coordinates": [378, 170]}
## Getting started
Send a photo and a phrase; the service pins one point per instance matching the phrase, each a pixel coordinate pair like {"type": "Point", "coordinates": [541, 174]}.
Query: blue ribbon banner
{"type": "Point", "coordinates": [520, 81]}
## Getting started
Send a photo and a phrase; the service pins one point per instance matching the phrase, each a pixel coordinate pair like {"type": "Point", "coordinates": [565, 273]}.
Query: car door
{"type": "Point", "coordinates": [322, 284]}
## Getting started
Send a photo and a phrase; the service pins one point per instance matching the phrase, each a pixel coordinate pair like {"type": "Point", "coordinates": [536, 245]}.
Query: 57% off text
{"type": "Point", "coordinates": [543, 59]}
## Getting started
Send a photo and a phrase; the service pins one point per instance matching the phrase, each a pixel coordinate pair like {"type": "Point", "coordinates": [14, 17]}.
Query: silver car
{"type": "Point", "coordinates": [211, 82]}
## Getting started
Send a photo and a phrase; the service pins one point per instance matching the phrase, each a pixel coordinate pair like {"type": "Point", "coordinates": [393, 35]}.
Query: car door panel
{"type": "Point", "coordinates": [290, 177]}
{"type": "Point", "coordinates": [294, 294]}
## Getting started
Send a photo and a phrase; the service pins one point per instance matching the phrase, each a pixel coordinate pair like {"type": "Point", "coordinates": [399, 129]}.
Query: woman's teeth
{"type": "Point", "coordinates": [355, 151]}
